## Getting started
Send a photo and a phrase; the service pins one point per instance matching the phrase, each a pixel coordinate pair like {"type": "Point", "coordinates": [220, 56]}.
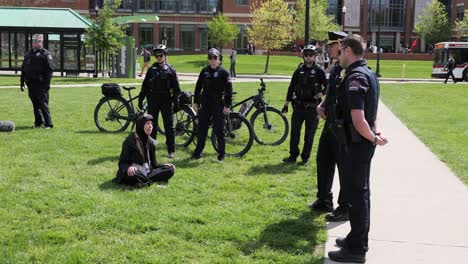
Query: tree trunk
{"type": "Point", "coordinates": [267, 61]}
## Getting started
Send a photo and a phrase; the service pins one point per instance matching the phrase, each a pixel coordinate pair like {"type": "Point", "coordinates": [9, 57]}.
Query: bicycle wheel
{"type": "Point", "coordinates": [112, 114]}
{"type": "Point", "coordinates": [238, 135]}
{"type": "Point", "coordinates": [185, 126]}
{"type": "Point", "coordinates": [270, 126]}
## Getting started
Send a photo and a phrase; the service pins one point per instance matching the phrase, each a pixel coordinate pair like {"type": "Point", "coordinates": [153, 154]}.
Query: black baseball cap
{"type": "Point", "coordinates": [335, 36]}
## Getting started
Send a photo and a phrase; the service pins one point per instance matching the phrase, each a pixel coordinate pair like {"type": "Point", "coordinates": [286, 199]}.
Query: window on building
{"type": "Point", "coordinates": [126, 4]}
{"type": "Point", "coordinates": [145, 5]}
{"type": "Point", "coordinates": [187, 6]}
{"type": "Point", "coordinates": [187, 37]}
{"type": "Point", "coordinates": [146, 34]}
{"type": "Point", "coordinates": [207, 5]}
{"type": "Point", "coordinates": [166, 35]}
{"type": "Point", "coordinates": [4, 50]}
{"type": "Point", "coordinates": [242, 40]}
{"type": "Point", "coordinates": [460, 12]}
{"type": "Point", "coordinates": [242, 2]}
{"type": "Point", "coordinates": [204, 39]}
{"type": "Point", "coordinates": [391, 16]}
{"type": "Point", "coordinates": [167, 5]}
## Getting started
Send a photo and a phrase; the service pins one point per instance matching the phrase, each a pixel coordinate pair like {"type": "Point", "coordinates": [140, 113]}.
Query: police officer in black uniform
{"type": "Point", "coordinates": [36, 72]}
{"type": "Point", "coordinates": [305, 91]}
{"type": "Point", "coordinates": [358, 99]}
{"type": "Point", "coordinates": [450, 66]}
{"type": "Point", "coordinates": [328, 151]}
{"type": "Point", "coordinates": [161, 89]}
{"type": "Point", "coordinates": [212, 100]}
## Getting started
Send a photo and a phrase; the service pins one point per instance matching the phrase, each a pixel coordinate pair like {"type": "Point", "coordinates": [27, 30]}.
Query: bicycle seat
{"type": "Point", "coordinates": [128, 88]}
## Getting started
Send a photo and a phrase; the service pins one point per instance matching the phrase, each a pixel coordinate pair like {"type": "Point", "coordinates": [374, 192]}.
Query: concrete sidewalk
{"type": "Point", "coordinates": [419, 208]}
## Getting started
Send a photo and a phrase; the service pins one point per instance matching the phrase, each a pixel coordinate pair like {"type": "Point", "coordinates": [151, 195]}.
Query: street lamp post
{"type": "Point", "coordinates": [377, 71]}
{"type": "Point", "coordinates": [306, 35]}
{"type": "Point", "coordinates": [96, 9]}
{"type": "Point", "coordinates": [344, 17]}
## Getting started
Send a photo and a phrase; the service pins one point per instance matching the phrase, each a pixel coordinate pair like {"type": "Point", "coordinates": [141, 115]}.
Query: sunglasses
{"type": "Point", "coordinates": [309, 55]}
{"type": "Point", "coordinates": [343, 48]}
{"type": "Point", "coordinates": [36, 40]}
{"type": "Point", "coordinates": [159, 55]}
{"type": "Point", "coordinates": [212, 57]}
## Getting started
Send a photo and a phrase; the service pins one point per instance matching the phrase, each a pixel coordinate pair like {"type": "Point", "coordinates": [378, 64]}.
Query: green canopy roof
{"type": "Point", "coordinates": [31, 17]}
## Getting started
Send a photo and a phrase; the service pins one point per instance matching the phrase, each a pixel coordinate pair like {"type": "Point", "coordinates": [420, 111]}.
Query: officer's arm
{"type": "Point", "coordinates": [198, 88]}
{"type": "Point", "coordinates": [49, 66]}
{"type": "Point", "coordinates": [22, 75]}
{"type": "Point", "coordinates": [323, 82]}
{"type": "Point", "coordinates": [228, 91]}
{"type": "Point", "coordinates": [357, 88]}
{"type": "Point", "coordinates": [292, 85]}
{"type": "Point", "coordinates": [175, 87]}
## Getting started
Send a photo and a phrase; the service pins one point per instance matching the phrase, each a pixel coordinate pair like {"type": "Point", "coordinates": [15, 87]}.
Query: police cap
{"type": "Point", "coordinates": [335, 36]}
{"type": "Point", "coordinates": [213, 51]}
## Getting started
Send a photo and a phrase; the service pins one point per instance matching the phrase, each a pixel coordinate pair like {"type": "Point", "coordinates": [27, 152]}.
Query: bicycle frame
{"type": "Point", "coordinates": [252, 100]}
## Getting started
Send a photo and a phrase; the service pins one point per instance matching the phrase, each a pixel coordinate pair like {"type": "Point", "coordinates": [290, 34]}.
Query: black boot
{"type": "Point", "coordinates": [344, 255]}
{"type": "Point", "coordinates": [322, 205]}
{"type": "Point", "coordinates": [341, 213]}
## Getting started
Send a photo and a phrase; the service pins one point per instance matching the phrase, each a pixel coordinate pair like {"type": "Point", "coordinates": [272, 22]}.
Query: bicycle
{"type": "Point", "coordinates": [238, 131]}
{"type": "Point", "coordinates": [114, 113]}
{"type": "Point", "coordinates": [270, 126]}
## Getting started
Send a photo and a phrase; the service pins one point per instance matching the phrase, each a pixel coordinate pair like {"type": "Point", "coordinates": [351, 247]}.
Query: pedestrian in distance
{"type": "Point", "coordinates": [450, 66]}
{"type": "Point", "coordinates": [358, 100]}
{"type": "Point", "coordinates": [137, 162]}
{"type": "Point", "coordinates": [161, 90]}
{"type": "Point", "coordinates": [146, 60]}
{"type": "Point", "coordinates": [212, 100]}
{"type": "Point", "coordinates": [305, 91]}
{"type": "Point", "coordinates": [232, 69]}
{"type": "Point", "coordinates": [36, 73]}
{"type": "Point", "coordinates": [328, 149]}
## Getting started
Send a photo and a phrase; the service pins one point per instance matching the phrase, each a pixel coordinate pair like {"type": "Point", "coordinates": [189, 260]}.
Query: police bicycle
{"type": "Point", "coordinates": [269, 125]}
{"type": "Point", "coordinates": [114, 113]}
{"type": "Point", "coordinates": [238, 132]}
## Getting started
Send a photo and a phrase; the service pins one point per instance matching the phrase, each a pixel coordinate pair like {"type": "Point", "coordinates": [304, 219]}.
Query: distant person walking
{"type": "Point", "coordinates": [233, 58]}
{"type": "Point", "coordinates": [146, 60]}
{"type": "Point", "coordinates": [36, 72]}
{"type": "Point", "coordinates": [450, 66]}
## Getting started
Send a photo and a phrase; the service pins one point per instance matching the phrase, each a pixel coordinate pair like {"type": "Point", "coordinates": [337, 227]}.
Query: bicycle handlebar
{"type": "Point", "coordinates": [263, 86]}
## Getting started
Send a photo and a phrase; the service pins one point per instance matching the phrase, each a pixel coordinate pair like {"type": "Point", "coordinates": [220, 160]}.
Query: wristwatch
{"type": "Point", "coordinates": [376, 138]}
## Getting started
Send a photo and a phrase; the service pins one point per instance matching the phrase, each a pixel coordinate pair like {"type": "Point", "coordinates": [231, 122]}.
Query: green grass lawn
{"type": "Point", "coordinates": [437, 114]}
{"type": "Point", "coordinates": [7, 80]}
{"type": "Point", "coordinates": [285, 65]}
{"type": "Point", "coordinates": [59, 205]}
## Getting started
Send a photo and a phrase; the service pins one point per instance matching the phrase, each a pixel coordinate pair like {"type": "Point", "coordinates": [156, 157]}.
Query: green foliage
{"type": "Point", "coordinates": [104, 33]}
{"type": "Point", "coordinates": [433, 24]}
{"type": "Point", "coordinates": [60, 206]}
{"type": "Point", "coordinates": [272, 24]}
{"type": "Point", "coordinates": [221, 31]}
{"type": "Point", "coordinates": [461, 26]}
{"type": "Point", "coordinates": [439, 121]}
{"type": "Point", "coordinates": [319, 24]}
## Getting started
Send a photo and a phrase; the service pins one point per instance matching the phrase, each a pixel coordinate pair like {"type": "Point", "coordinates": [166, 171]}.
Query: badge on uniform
{"type": "Point", "coordinates": [38, 54]}
{"type": "Point", "coordinates": [312, 71]}
{"type": "Point", "coordinates": [50, 57]}
{"type": "Point", "coordinates": [215, 74]}
{"type": "Point", "coordinates": [165, 67]}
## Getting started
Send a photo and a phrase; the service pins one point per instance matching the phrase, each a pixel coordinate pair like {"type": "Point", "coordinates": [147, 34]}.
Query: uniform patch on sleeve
{"type": "Point", "coordinates": [358, 83]}
{"type": "Point", "coordinates": [50, 57]}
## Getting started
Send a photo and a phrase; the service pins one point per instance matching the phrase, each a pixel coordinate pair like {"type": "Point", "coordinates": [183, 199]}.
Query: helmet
{"type": "Point", "coordinates": [160, 49]}
{"type": "Point", "coordinates": [213, 51]}
{"type": "Point", "coordinates": [310, 49]}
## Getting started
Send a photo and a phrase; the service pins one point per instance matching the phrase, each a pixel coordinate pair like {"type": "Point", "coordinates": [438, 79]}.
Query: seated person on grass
{"type": "Point", "coordinates": [137, 163]}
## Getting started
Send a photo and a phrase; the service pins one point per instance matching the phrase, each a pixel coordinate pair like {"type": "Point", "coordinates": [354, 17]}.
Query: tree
{"type": "Point", "coordinates": [272, 26]}
{"type": "Point", "coordinates": [461, 26]}
{"type": "Point", "coordinates": [319, 25]}
{"type": "Point", "coordinates": [105, 34]}
{"type": "Point", "coordinates": [221, 31]}
{"type": "Point", "coordinates": [433, 24]}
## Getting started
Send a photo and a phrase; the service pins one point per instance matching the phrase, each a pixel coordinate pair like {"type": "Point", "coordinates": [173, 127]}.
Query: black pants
{"type": "Point", "coordinates": [356, 165]}
{"type": "Point", "coordinates": [327, 158]}
{"type": "Point", "coordinates": [210, 111]}
{"type": "Point", "coordinates": [450, 73]}
{"type": "Point", "coordinates": [165, 107]}
{"type": "Point", "coordinates": [299, 116]}
{"type": "Point", "coordinates": [161, 174]}
{"type": "Point", "coordinates": [39, 95]}
{"type": "Point", "coordinates": [232, 70]}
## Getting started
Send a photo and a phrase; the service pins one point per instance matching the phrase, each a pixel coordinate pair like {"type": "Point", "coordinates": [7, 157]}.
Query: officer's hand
{"type": "Point", "coordinates": [226, 110]}
{"type": "Point", "coordinates": [318, 95]}
{"type": "Point", "coordinates": [132, 171]}
{"type": "Point", "coordinates": [381, 140]}
{"type": "Point", "coordinates": [285, 109]}
{"type": "Point", "coordinates": [321, 111]}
